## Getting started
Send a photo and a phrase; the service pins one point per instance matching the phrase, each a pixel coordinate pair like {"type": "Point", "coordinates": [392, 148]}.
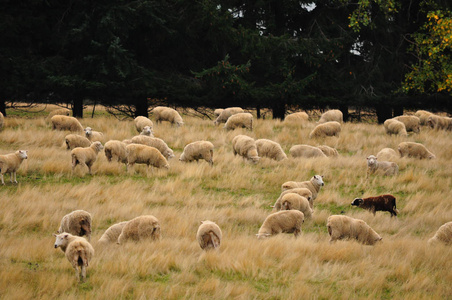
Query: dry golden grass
{"type": "Point", "coordinates": [237, 196]}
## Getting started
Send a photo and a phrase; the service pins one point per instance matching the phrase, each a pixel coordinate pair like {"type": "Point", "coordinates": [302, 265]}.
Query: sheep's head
{"type": "Point", "coordinates": [169, 154]}
{"type": "Point", "coordinates": [97, 146]}
{"type": "Point", "coordinates": [371, 160]}
{"type": "Point", "coordinates": [255, 159]}
{"type": "Point", "coordinates": [318, 179]}
{"type": "Point", "coordinates": [88, 131]}
{"type": "Point", "coordinates": [61, 239]}
{"type": "Point", "coordinates": [431, 122]}
{"type": "Point", "coordinates": [357, 202]}
{"type": "Point", "coordinates": [22, 154]}
{"type": "Point", "coordinates": [147, 130]}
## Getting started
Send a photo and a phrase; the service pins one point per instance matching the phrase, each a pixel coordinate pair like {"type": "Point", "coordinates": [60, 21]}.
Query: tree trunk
{"type": "Point", "coordinates": [258, 111]}
{"type": "Point", "coordinates": [141, 107]}
{"type": "Point", "coordinates": [344, 110]}
{"type": "Point", "coordinates": [279, 109]}
{"type": "Point", "coordinates": [3, 107]}
{"type": "Point", "coordinates": [77, 107]}
{"type": "Point", "coordinates": [384, 112]}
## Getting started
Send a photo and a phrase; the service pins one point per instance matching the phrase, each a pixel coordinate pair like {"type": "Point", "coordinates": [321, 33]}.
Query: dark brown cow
{"type": "Point", "coordinates": [379, 203]}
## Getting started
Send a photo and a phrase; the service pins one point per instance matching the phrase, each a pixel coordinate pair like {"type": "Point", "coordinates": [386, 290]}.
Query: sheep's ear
{"type": "Point", "coordinates": [66, 235]}
{"type": "Point", "coordinates": [321, 176]}
{"type": "Point", "coordinates": [54, 234]}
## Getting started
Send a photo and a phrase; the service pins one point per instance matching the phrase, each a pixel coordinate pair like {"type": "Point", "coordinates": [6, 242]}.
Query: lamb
{"type": "Point", "coordinates": [78, 250]}
{"type": "Point", "coordinates": [163, 113]}
{"type": "Point", "coordinates": [74, 140]}
{"type": "Point", "coordinates": [412, 123]}
{"type": "Point", "coordinates": [240, 120]}
{"type": "Point", "coordinates": [298, 117]}
{"type": "Point", "coordinates": [438, 122]}
{"type": "Point", "coordinates": [288, 221]}
{"type": "Point", "coordinates": [423, 116]}
{"type": "Point", "coordinates": [58, 111]}
{"type": "Point", "coordinates": [112, 233]}
{"type": "Point", "coordinates": [245, 146]}
{"type": "Point", "coordinates": [218, 112]}
{"type": "Point", "coordinates": [416, 150]}
{"type": "Point", "coordinates": [145, 227]}
{"type": "Point", "coordinates": [383, 167]}
{"type": "Point", "coordinates": [76, 223]}
{"type": "Point", "coordinates": [305, 151]}
{"type": "Point", "coordinates": [270, 149]}
{"type": "Point", "coordinates": [198, 150]}
{"type": "Point", "coordinates": [314, 185]}
{"type": "Point", "coordinates": [328, 151]}
{"type": "Point", "coordinates": [304, 192]}
{"type": "Point", "coordinates": [387, 154]}
{"type": "Point", "coordinates": [157, 143]}
{"type": "Point", "coordinates": [380, 203]}
{"type": "Point", "coordinates": [294, 201]}
{"type": "Point", "coordinates": [116, 151]}
{"type": "Point", "coordinates": [65, 123]}
{"type": "Point", "coordinates": [331, 115]}
{"type": "Point", "coordinates": [395, 127]}
{"type": "Point", "coordinates": [340, 227]}
{"type": "Point", "coordinates": [85, 156]}
{"type": "Point", "coordinates": [443, 235]}
{"type": "Point", "coordinates": [10, 163]}
{"type": "Point", "coordinates": [2, 121]}
{"type": "Point", "coordinates": [93, 136]}
{"type": "Point", "coordinates": [209, 235]}
{"type": "Point", "coordinates": [226, 113]}
{"type": "Point", "coordinates": [326, 129]}
{"type": "Point", "coordinates": [142, 154]}
{"type": "Point", "coordinates": [147, 131]}
{"type": "Point", "coordinates": [141, 122]}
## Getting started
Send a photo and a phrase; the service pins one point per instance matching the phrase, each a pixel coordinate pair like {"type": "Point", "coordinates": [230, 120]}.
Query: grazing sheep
{"type": "Point", "coordinates": [443, 235]}
{"type": "Point", "coordinates": [245, 146]}
{"type": "Point", "coordinates": [383, 167]}
{"type": "Point", "coordinates": [93, 136]}
{"type": "Point", "coordinates": [74, 140]}
{"type": "Point", "coordinates": [423, 116]}
{"type": "Point", "coordinates": [340, 227]}
{"type": "Point", "coordinates": [209, 235]}
{"type": "Point", "coordinates": [270, 149]}
{"type": "Point", "coordinates": [2, 121]}
{"type": "Point", "coordinates": [304, 192]}
{"type": "Point", "coordinates": [395, 127]}
{"type": "Point", "coordinates": [326, 129]}
{"type": "Point", "coordinates": [314, 185]}
{"type": "Point", "coordinates": [58, 111]}
{"type": "Point", "coordinates": [157, 143]}
{"type": "Point", "coordinates": [412, 123]}
{"type": "Point", "coordinates": [163, 113]}
{"type": "Point", "coordinates": [288, 221]}
{"type": "Point", "coordinates": [145, 227]}
{"type": "Point", "coordinates": [218, 112]}
{"type": "Point", "coordinates": [306, 151]}
{"type": "Point", "coordinates": [65, 123]}
{"type": "Point", "coordinates": [387, 154]}
{"type": "Point", "coordinates": [294, 201]}
{"type": "Point", "coordinates": [296, 118]}
{"type": "Point", "coordinates": [78, 252]}
{"type": "Point", "coordinates": [77, 223]}
{"type": "Point", "coordinates": [240, 120]}
{"type": "Point", "coordinates": [147, 131]}
{"type": "Point", "coordinates": [226, 113]}
{"type": "Point", "coordinates": [380, 203]}
{"type": "Point", "coordinates": [86, 156]}
{"type": "Point", "coordinates": [331, 115]}
{"type": "Point", "coordinates": [141, 122]}
{"type": "Point", "coordinates": [438, 122]}
{"type": "Point", "coordinates": [198, 150]}
{"type": "Point", "coordinates": [142, 154]}
{"type": "Point", "coordinates": [416, 150]}
{"type": "Point", "coordinates": [10, 163]}
{"type": "Point", "coordinates": [328, 151]}
{"type": "Point", "coordinates": [116, 151]}
{"type": "Point", "coordinates": [112, 233]}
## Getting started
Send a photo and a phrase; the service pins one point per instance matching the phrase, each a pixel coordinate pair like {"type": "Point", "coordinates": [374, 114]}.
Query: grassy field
{"type": "Point", "coordinates": [237, 196]}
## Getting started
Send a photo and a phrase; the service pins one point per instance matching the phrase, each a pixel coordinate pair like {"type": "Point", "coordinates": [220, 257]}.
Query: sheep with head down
{"type": "Point", "coordinates": [285, 221]}
{"type": "Point", "coordinates": [240, 120]}
{"type": "Point", "coordinates": [331, 115]}
{"type": "Point", "coordinates": [270, 149]}
{"type": "Point", "coordinates": [209, 235]}
{"type": "Point", "coordinates": [217, 112]}
{"type": "Point", "coordinates": [245, 146]}
{"type": "Point", "coordinates": [74, 140]}
{"type": "Point", "coordinates": [116, 151]}
{"type": "Point", "coordinates": [77, 223]}
{"type": "Point", "coordinates": [60, 122]}
{"type": "Point", "coordinates": [198, 150]}
{"type": "Point", "coordinates": [423, 116]}
{"type": "Point", "coordinates": [146, 227]}
{"type": "Point", "coordinates": [439, 123]}
{"type": "Point", "coordinates": [294, 201]}
{"type": "Point", "coordinates": [157, 143]}
{"type": "Point", "coordinates": [415, 150]}
{"type": "Point", "coordinates": [412, 123]}
{"type": "Point", "coordinates": [10, 163]}
{"type": "Point", "coordinates": [163, 113]}
{"type": "Point", "coordinates": [111, 235]}
{"type": "Point", "coordinates": [323, 130]}
{"type": "Point", "coordinates": [387, 154]}
{"type": "Point", "coordinates": [343, 227]}
{"type": "Point", "coordinates": [306, 151]}
{"type": "Point", "coordinates": [443, 235]}
{"type": "Point", "coordinates": [395, 127]}
{"type": "Point", "coordinates": [226, 113]}
{"type": "Point", "coordinates": [328, 151]}
{"type": "Point", "coordinates": [296, 118]}
{"type": "Point", "coordinates": [142, 154]}
{"type": "Point", "coordinates": [304, 192]}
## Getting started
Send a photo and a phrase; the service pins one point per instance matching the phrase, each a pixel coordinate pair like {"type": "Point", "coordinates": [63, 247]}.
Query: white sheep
{"type": "Point", "coordinates": [381, 167]}
{"type": "Point", "coordinates": [438, 122]}
{"type": "Point", "coordinates": [160, 144]}
{"type": "Point", "coordinates": [60, 122]}
{"type": "Point", "coordinates": [245, 146]}
{"type": "Point", "coordinates": [116, 151]}
{"type": "Point", "coordinates": [74, 140]}
{"type": "Point", "coordinates": [112, 233]}
{"type": "Point", "coordinates": [270, 149]}
{"type": "Point", "coordinates": [293, 201]}
{"type": "Point", "coordinates": [145, 227]}
{"type": "Point", "coordinates": [314, 185]}
{"type": "Point", "coordinates": [287, 221]}
{"type": "Point", "coordinates": [331, 115]}
{"type": "Point", "coordinates": [2, 121]}
{"type": "Point", "coordinates": [395, 127]}
{"type": "Point", "coordinates": [77, 223]}
{"type": "Point", "coordinates": [142, 154]}
{"type": "Point", "coordinates": [443, 235]}
{"type": "Point", "coordinates": [198, 150]}
{"type": "Point", "coordinates": [296, 118]}
{"type": "Point", "coordinates": [78, 251]}
{"type": "Point", "coordinates": [163, 113]}
{"type": "Point", "coordinates": [85, 156]}
{"type": "Point", "coordinates": [217, 112]}
{"type": "Point", "coordinates": [93, 136]}
{"type": "Point", "coordinates": [387, 154]}
{"type": "Point", "coordinates": [240, 120]}
{"type": "Point", "coordinates": [10, 163]}
{"type": "Point", "coordinates": [423, 116]}
{"type": "Point", "coordinates": [416, 150]}
{"type": "Point", "coordinates": [141, 122]}
{"type": "Point", "coordinates": [306, 151]}
{"type": "Point", "coordinates": [58, 111]}
{"type": "Point", "coordinates": [147, 131]}
{"type": "Point", "coordinates": [326, 129]}
{"type": "Point", "coordinates": [328, 151]}
{"type": "Point", "coordinates": [340, 227]}
{"type": "Point", "coordinates": [412, 123]}
{"type": "Point", "coordinates": [209, 235]}
{"type": "Point", "coordinates": [226, 113]}
{"type": "Point", "coordinates": [304, 192]}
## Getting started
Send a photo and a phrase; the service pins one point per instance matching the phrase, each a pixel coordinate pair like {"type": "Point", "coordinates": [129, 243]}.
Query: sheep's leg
{"type": "Point", "coordinates": [89, 169]}
{"type": "Point", "coordinates": [83, 272]}
{"type": "Point", "coordinates": [77, 273]}
{"type": "Point", "coordinates": [3, 181]}
{"type": "Point", "coordinates": [15, 179]}
{"type": "Point", "coordinates": [296, 232]}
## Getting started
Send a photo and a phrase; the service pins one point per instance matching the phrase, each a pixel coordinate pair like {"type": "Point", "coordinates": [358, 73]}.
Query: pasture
{"type": "Point", "coordinates": [237, 196]}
